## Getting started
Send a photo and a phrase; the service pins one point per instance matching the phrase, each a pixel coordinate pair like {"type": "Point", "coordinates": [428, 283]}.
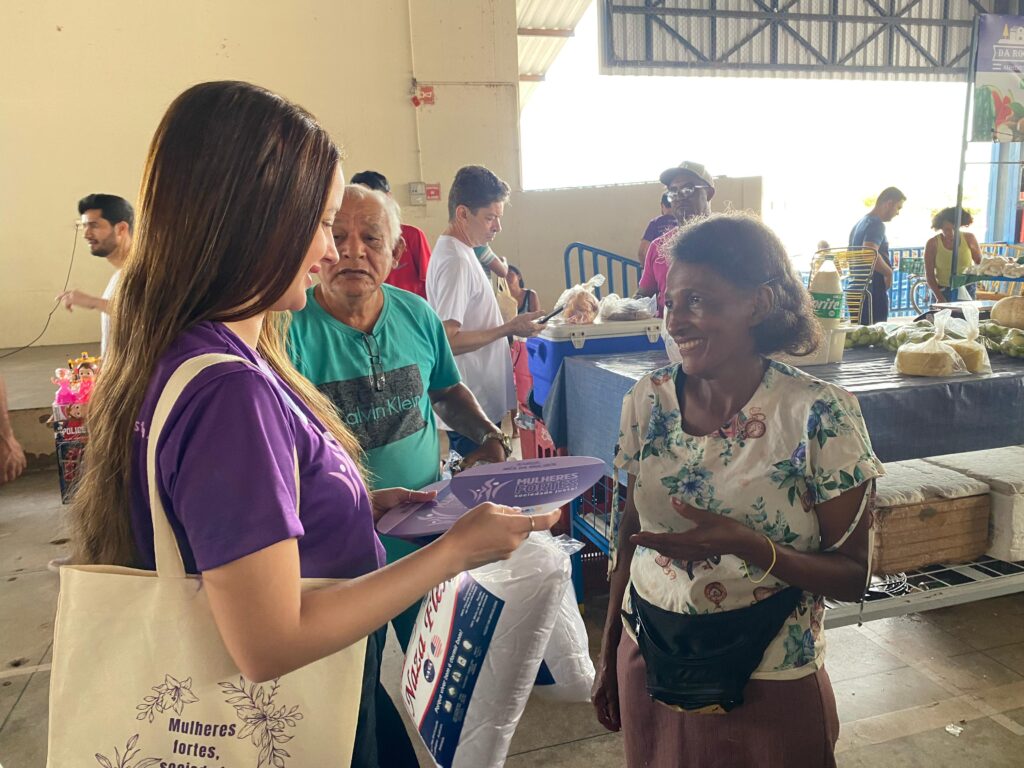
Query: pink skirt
{"type": "Point", "coordinates": [781, 724]}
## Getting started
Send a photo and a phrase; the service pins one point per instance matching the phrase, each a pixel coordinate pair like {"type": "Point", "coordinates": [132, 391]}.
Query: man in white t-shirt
{"type": "Point", "coordinates": [107, 224]}
{"type": "Point", "coordinates": [460, 292]}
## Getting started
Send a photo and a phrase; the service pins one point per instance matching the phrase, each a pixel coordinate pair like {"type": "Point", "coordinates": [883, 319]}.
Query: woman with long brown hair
{"type": "Point", "coordinates": [235, 213]}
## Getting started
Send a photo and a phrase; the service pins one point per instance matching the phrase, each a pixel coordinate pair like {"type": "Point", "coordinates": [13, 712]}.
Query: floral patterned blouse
{"type": "Point", "coordinates": [797, 442]}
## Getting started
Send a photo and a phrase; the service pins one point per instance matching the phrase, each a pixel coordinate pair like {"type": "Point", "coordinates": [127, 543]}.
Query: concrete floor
{"type": "Point", "coordinates": [898, 682]}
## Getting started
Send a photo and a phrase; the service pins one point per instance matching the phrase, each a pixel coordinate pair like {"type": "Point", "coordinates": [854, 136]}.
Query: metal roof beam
{"type": "Point", "coordinates": [784, 16]}
{"type": "Point", "coordinates": [541, 32]}
{"type": "Point", "coordinates": [890, 37]}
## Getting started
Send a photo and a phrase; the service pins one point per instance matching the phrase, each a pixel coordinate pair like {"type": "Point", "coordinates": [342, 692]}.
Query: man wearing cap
{"type": "Point", "coordinates": [107, 224]}
{"type": "Point", "coordinates": [689, 187]}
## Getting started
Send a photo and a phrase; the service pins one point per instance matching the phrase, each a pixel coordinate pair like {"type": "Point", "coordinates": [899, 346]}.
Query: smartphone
{"type": "Point", "coordinates": [548, 316]}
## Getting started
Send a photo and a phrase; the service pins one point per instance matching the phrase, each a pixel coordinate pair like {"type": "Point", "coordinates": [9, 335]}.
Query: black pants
{"type": "Point", "coordinates": [381, 738]}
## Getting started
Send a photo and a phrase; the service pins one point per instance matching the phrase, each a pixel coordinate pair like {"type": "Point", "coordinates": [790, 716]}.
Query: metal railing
{"type": "Point", "coordinates": [908, 282]}
{"type": "Point", "coordinates": [582, 261]}
{"type": "Point", "coordinates": [909, 294]}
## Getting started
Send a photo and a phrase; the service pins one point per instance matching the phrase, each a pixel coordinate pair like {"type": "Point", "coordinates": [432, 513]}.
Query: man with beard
{"type": "Point", "coordinates": [107, 224]}
{"type": "Point", "coordinates": [689, 187]}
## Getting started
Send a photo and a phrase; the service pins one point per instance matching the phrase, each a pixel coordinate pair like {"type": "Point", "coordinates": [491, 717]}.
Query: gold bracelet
{"type": "Point", "coordinates": [765, 576]}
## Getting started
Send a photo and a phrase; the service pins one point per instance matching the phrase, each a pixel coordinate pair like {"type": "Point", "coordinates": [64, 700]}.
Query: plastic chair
{"type": "Point", "coordinates": [856, 266]}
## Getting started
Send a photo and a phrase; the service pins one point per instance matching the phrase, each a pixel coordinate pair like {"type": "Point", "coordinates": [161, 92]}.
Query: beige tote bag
{"type": "Point", "coordinates": [507, 304]}
{"type": "Point", "coordinates": [141, 678]}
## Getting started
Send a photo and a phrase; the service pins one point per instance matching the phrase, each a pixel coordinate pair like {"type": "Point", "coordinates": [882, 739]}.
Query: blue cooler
{"type": "Point", "coordinates": [556, 343]}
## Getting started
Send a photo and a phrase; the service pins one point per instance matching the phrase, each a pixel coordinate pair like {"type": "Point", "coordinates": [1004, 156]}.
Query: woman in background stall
{"type": "Point", "coordinates": [938, 254]}
{"type": "Point", "coordinates": [526, 298]}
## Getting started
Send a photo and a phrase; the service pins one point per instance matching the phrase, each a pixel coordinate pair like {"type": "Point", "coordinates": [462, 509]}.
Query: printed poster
{"type": "Point", "coordinates": [999, 80]}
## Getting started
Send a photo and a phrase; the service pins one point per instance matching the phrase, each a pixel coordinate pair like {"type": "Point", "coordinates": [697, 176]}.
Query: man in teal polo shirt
{"type": "Point", "coordinates": [381, 355]}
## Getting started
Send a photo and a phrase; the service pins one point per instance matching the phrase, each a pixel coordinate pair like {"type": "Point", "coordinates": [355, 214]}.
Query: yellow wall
{"type": "Point", "coordinates": [539, 224]}
{"type": "Point", "coordinates": [85, 84]}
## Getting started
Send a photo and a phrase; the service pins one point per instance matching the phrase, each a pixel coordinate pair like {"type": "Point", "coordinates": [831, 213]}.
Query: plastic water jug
{"type": "Point", "coordinates": [827, 297]}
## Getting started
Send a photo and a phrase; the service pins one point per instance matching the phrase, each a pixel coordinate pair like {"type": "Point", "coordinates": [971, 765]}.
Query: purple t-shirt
{"type": "Point", "coordinates": [226, 463]}
{"type": "Point", "coordinates": [655, 272]}
{"type": "Point", "coordinates": [658, 226]}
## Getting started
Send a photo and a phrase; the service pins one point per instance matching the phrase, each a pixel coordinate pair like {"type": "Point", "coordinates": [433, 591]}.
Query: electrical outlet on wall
{"type": "Point", "coordinates": [417, 193]}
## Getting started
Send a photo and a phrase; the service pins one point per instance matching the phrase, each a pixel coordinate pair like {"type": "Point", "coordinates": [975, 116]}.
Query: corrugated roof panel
{"type": "Point", "coordinates": [550, 14]}
{"type": "Point", "coordinates": [536, 52]}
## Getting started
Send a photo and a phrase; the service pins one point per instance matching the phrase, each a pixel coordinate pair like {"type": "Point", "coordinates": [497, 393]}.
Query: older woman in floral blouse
{"type": "Point", "coordinates": [748, 482]}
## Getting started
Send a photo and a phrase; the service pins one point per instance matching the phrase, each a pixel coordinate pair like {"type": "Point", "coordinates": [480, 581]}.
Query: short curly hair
{"type": "Point", "coordinates": [948, 215]}
{"type": "Point", "coordinates": [742, 250]}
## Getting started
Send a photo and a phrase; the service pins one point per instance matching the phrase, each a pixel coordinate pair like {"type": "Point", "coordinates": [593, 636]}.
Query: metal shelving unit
{"type": "Point", "coordinates": [936, 586]}
{"type": "Point", "coordinates": [925, 589]}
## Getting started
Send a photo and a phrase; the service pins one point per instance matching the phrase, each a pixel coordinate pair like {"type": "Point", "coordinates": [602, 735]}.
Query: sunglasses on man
{"type": "Point", "coordinates": [684, 190]}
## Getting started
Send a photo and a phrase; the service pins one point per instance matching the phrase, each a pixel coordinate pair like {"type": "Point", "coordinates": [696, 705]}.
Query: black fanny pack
{"type": "Point", "coordinates": [704, 661]}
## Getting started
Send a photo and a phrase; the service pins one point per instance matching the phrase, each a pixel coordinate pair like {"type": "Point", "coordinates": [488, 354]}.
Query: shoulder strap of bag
{"type": "Point", "coordinates": [165, 546]}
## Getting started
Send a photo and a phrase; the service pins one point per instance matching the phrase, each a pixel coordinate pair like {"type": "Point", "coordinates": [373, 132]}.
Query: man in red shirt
{"type": "Point", "coordinates": [410, 273]}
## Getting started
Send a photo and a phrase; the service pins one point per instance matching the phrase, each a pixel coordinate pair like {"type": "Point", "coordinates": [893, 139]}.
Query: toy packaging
{"type": "Point", "coordinates": [70, 407]}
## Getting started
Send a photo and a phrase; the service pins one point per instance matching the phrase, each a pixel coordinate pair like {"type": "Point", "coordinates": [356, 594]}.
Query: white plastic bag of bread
{"type": "Point", "coordinates": [934, 357]}
{"type": "Point", "coordinates": [972, 351]}
{"type": "Point", "coordinates": [578, 305]}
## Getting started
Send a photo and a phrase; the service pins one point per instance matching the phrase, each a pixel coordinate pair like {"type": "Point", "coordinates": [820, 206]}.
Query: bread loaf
{"type": "Point", "coordinates": [973, 354]}
{"type": "Point", "coordinates": [931, 358]}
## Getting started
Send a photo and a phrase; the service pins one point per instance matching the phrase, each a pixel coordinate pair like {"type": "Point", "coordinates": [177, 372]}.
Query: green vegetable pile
{"type": "Point", "coordinates": [865, 336]}
{"type": "Point", "coordinates": [891, 336]}
{"type": "Point", "coordinates": [994, 331]}
{"type": "Point", "coordinates": [1012, 344]}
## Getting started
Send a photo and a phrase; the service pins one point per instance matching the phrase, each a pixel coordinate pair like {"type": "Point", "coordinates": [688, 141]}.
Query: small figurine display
{"type": "Point", "coordinates": [70, 405]}
{"type": "Point", "coordinates": [74, 387]}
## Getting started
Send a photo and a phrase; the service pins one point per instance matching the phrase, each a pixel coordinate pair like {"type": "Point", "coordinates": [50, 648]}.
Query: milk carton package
{"type": "Point", "coordinates": [476, 652]}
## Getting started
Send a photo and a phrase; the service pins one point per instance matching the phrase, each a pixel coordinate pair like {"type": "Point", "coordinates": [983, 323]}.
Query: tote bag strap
{"type": "Point", "coordinates": [165, 545]}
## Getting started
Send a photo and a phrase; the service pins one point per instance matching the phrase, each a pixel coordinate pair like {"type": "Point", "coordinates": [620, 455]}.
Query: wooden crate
{"type": "Point", "coordinates": [910, 536]}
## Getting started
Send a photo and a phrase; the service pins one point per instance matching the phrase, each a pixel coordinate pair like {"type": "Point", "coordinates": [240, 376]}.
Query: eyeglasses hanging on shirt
{"type": "Point", "coordinates": [377, 377]}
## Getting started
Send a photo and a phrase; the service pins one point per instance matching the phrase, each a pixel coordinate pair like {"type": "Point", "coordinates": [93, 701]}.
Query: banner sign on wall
{"type": "Point", "coordinates": [999, 80]}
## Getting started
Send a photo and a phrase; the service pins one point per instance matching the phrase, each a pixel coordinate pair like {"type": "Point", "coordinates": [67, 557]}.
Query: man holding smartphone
{"type": "Point", "coordinates": [461, 294]}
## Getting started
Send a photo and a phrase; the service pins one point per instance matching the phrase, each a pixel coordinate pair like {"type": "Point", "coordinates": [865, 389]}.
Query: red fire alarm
{"type": "Point", "coordinates": [433, 191]}
{"type": "Point", "coordinates": [426, 94]}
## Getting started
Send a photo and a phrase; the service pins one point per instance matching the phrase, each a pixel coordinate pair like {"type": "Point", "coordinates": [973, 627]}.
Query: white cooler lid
{"type": "Point", "coordinates": [578, 334]}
